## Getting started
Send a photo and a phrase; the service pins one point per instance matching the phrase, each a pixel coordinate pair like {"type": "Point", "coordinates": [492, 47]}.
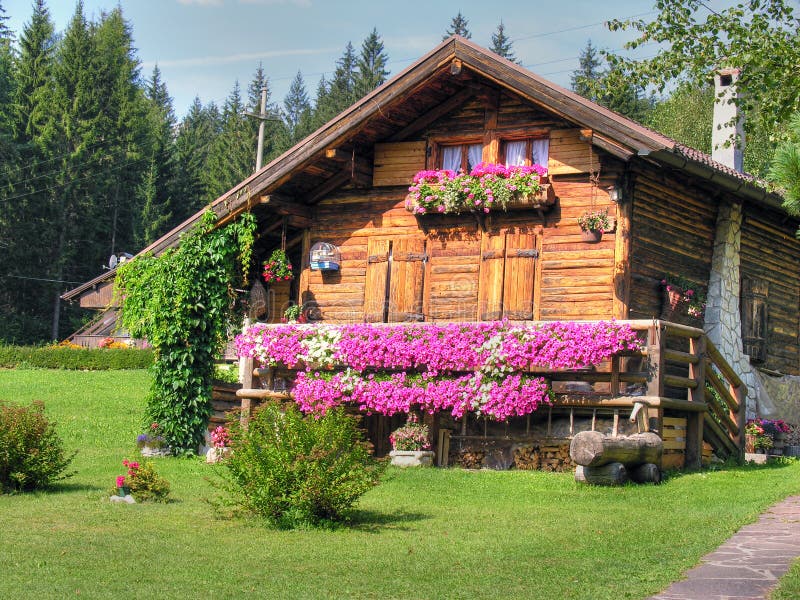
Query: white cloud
{"type": "Point", "coordinates": [201, 2]}
{"type": "Point", "coordinates": [205, 61]}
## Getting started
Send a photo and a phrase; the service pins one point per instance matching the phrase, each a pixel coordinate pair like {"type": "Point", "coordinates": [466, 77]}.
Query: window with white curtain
{"type": "Point", "coordinates": [460, 157]}
{"type": "Point", "coordinates": [530, 151]}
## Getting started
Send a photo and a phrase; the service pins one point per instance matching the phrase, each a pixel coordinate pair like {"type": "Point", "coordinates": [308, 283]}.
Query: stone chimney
{"type": "Point", "coordinates": [727, 136]}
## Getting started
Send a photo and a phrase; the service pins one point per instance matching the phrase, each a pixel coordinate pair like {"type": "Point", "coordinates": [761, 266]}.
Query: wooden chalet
{"type": "Point", "coordinates": [673, 210]}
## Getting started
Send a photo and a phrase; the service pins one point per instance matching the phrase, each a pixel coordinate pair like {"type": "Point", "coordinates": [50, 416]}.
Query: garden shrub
{"type": "Point", "coordinates": [297, 470]}
{"type": "Point", "coordinates": [144, 483]}
{"type": "Point", "coordinates": [61, 357]}
{"type": "Point", "coordinates": [32, 454]}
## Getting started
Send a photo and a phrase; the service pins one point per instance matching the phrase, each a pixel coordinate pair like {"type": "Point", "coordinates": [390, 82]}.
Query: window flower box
{"type": "Point", "coordinates": [487, 187]}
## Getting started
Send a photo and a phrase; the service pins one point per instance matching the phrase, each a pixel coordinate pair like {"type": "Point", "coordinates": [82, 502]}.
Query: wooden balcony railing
{"type": "Point", "coordinates": [678, 371]}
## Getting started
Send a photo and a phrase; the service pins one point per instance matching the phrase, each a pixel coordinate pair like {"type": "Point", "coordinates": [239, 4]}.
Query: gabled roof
{"type": "Point", "coordinates": [393, 110]}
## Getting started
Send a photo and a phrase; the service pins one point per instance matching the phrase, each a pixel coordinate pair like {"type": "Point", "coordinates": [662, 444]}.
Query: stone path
{"type": "Point", "coordinates": [749, 564]}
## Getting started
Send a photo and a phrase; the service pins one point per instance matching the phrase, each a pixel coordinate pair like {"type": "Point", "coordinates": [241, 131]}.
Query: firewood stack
{"type": "Point", "coordinates": [549, 456]}
{"type": "Point", "coordinates": [469, 459]}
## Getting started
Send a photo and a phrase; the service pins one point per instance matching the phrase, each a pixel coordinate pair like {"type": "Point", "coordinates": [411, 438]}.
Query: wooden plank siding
{"type": "Point", "coordinates": [519, 264]}
{"type": "Point", "coordinates": [672, 231]}
{"type": "Point", "coordinates": [770, 252]}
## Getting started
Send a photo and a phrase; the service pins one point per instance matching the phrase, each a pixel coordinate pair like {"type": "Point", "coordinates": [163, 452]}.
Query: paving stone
{"type": "Point", "coordinates": [749, 564]}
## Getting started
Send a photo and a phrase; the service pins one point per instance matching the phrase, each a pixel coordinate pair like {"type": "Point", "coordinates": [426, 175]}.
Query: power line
{"type": "Point", "coordinates": [577, 28]}
{"type": "Point", "coordinates": [42, 279]}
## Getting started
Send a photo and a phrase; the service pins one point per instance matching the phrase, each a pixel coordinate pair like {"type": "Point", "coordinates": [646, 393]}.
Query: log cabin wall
{"type": "Point", "coordinates": [519, 264]}
{"type": "Point", "coordinates": [770, 254]}
{"type": "Point", "coordinates": [672, 231]}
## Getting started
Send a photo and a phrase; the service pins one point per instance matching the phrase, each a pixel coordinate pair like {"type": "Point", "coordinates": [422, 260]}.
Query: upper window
{"type": "Point", "coordinates": [460, 157]}
{"type": "Point", "coordinates": [530, 151]}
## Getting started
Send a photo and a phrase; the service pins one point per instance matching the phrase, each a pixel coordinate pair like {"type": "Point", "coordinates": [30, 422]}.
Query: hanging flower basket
{"type": "Point", "coordinates": [681, 297]}
{"type": "Point", "coordinates": [277, 268]}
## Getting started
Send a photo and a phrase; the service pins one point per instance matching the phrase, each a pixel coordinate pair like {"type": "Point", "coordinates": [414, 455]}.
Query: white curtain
{"type": "Point", "coordinates": [474, 156]}
{"type": "Point", "coordinates": [540, 150]}
{"type": "Point", "coordinates": [451, 157]}
{"type": "Point", "coordinates": [515, 153]}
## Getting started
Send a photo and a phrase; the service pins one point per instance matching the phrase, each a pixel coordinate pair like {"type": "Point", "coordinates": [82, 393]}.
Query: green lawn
{"type": "Point", "coordinates": [421, 534]}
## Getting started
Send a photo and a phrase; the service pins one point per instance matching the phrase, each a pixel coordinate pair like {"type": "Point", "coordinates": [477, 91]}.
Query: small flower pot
{"type": "Point", "coordinates": [591, 235]}
{"type": "Point", "coordinates": [412, 458]}
{"type": "Point", "coordinates": [123, 491]}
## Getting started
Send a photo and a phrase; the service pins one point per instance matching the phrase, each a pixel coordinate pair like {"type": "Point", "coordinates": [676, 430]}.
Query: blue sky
{"type": "Point", "coordinates": [203, 46]}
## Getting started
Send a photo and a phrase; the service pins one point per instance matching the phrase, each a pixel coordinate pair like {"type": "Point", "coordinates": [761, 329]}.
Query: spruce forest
{"type": "Point", "coordinates": [94, 162]}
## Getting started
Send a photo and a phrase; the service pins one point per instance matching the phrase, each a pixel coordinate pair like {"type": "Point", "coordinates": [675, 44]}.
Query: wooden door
{"type": "Point", "coordinates": [406, 280]}
{"type": "Point", "coordinates": [490, 285]}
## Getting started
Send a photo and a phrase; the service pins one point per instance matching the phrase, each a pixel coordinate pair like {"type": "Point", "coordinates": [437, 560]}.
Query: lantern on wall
{"type": "Point", "coordinates": [325, 257]}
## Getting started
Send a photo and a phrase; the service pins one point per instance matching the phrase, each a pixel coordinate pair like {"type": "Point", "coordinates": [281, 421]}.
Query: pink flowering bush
{"type": "Point", "coordinates": [487, 186]}
{"type": "Point", "coordinates": [220, 438]}
{"type": "Point", "coordinates": [143, 482]}
{"type": "Point", "coordinates": [454, 367]}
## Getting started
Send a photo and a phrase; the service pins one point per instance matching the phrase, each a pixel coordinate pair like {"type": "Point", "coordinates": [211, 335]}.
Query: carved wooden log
{"type": "Point", "coordinates": [593, 449]}
{"type": "Point", "coordinates": [611, 474]}
{"type": "Point", "coordinates": [646, 473]}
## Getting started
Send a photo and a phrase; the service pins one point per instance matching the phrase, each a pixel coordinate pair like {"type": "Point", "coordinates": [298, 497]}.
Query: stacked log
{"type": "Point", "coordinates": [470, 459]}
{"type": "Point", "coordinates": [604, 460]}
{"type": "Point", "coordinates": [546, 457]}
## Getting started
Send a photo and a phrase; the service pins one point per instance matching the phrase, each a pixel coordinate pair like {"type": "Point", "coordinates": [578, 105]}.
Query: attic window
{"type": "Point", "coordinates": [528, 151]}
{"type": "Point", "coordinates": [460, 157]}
{"type": "Point", "coordinates": [725, 80]}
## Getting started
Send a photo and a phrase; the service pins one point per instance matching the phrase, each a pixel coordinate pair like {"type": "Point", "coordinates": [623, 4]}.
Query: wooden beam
{"type": "Point", "coordinates": [429, 117]}
{"type": "Point", "coordinates": [283, 205]}
{"type": "Point", "coordinates": [335, 182]}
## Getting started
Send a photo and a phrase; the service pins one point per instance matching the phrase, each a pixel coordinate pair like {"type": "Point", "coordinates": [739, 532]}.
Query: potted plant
{"type": "Point", "coordinates": [776, 430]}
{"type": "Point", "coordinates": [220, 438]}
{"type": "Point", "coordinates": [756, 437]}
{"type": "Point", "coordinates": [682, 296]}
{"type": "Point", "coordinates": [593, 224]}
{"type": "Point", "coordinates": [153, 443]}
{"type": "Point", "coordinates": [122, 489]}
{"type": "Point", "coordinates": [294, 314]}
{"type": "Point", "coordinates": [411, 444]}
{"type": "Point", "coordinates": [277, 268]}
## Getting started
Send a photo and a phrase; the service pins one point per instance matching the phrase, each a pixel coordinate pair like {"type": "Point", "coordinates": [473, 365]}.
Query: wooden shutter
{"type": "Point", "coordinates": [406, 281]}
{"type": "Point", "coordinates": [521, 255]}
{"type": "Point", "coordinates": [375, 288]}
{"type": "Point", "coordinates": [508, 267]}
{"type": "Point", "coordinates": [490, 284]}
{"type": "Point", "coordinates": [755, 312]}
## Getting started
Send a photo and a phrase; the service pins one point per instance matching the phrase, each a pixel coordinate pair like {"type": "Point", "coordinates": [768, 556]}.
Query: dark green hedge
{"type": "Point", "coordinates": [51, 357]}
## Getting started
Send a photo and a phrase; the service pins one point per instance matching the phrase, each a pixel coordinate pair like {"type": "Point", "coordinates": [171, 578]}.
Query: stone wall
{"type": "Point", "coordinates": [723, 323]}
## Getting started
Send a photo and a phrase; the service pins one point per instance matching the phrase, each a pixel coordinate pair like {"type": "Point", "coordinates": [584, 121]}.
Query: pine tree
{"type": "Point", "coordinates": [371, 65]}
{"type": "Point", "coordinates": [34, 71]}
{"type": "Point", "coordinates": [297, 110]}
{"type": "Point", "coordinates": [157, 194]}
{"type": "Point", "coordinates": [342, 88]}
{"type": "Point", "coordinates": [196, 134]}
{"type": "Point", "coordinates": [609, 87]}
{"type": "Point", "coordinates": [458, 26]}
{"type": "Point", "coordinates": [587, 73]}
{"type": "Point", "coordinates": [232, 155]}
{"type": "Point", "coordinates": [501, 44]}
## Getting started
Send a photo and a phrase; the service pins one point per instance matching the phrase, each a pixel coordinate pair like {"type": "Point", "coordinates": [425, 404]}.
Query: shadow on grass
{"type": "Point", "coordinates": [374, 522]}
{"type": "Point", "coordinates": [66, 487]}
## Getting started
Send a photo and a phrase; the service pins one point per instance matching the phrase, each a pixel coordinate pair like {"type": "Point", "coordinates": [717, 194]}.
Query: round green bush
{"type": "Point", "coordinates": [31, 452]}
{"type": "Point", "coordinates": [298, 470]}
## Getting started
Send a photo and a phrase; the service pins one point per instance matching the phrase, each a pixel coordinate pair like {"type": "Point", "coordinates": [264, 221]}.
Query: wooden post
{"type": "Point", "coordinates": [615, 360]}
{"type": "Point", "coordinates": [655, 357]}
{"type": "Point", "coordinates": [740, 394]}
{"type": "Point", "coordinates": [443, 449]}
{"type": "Point", "coordinates": [694, 421]}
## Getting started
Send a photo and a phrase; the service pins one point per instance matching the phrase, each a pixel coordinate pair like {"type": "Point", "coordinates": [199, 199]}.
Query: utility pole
{"type": "Point", "coordinates": [263, 117]}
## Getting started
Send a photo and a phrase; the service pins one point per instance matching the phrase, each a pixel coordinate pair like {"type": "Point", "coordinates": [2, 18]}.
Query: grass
{"type": "Point", "coordinates": [421, 534]}
{"type": "Point", "coordinates": [789, 587]}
